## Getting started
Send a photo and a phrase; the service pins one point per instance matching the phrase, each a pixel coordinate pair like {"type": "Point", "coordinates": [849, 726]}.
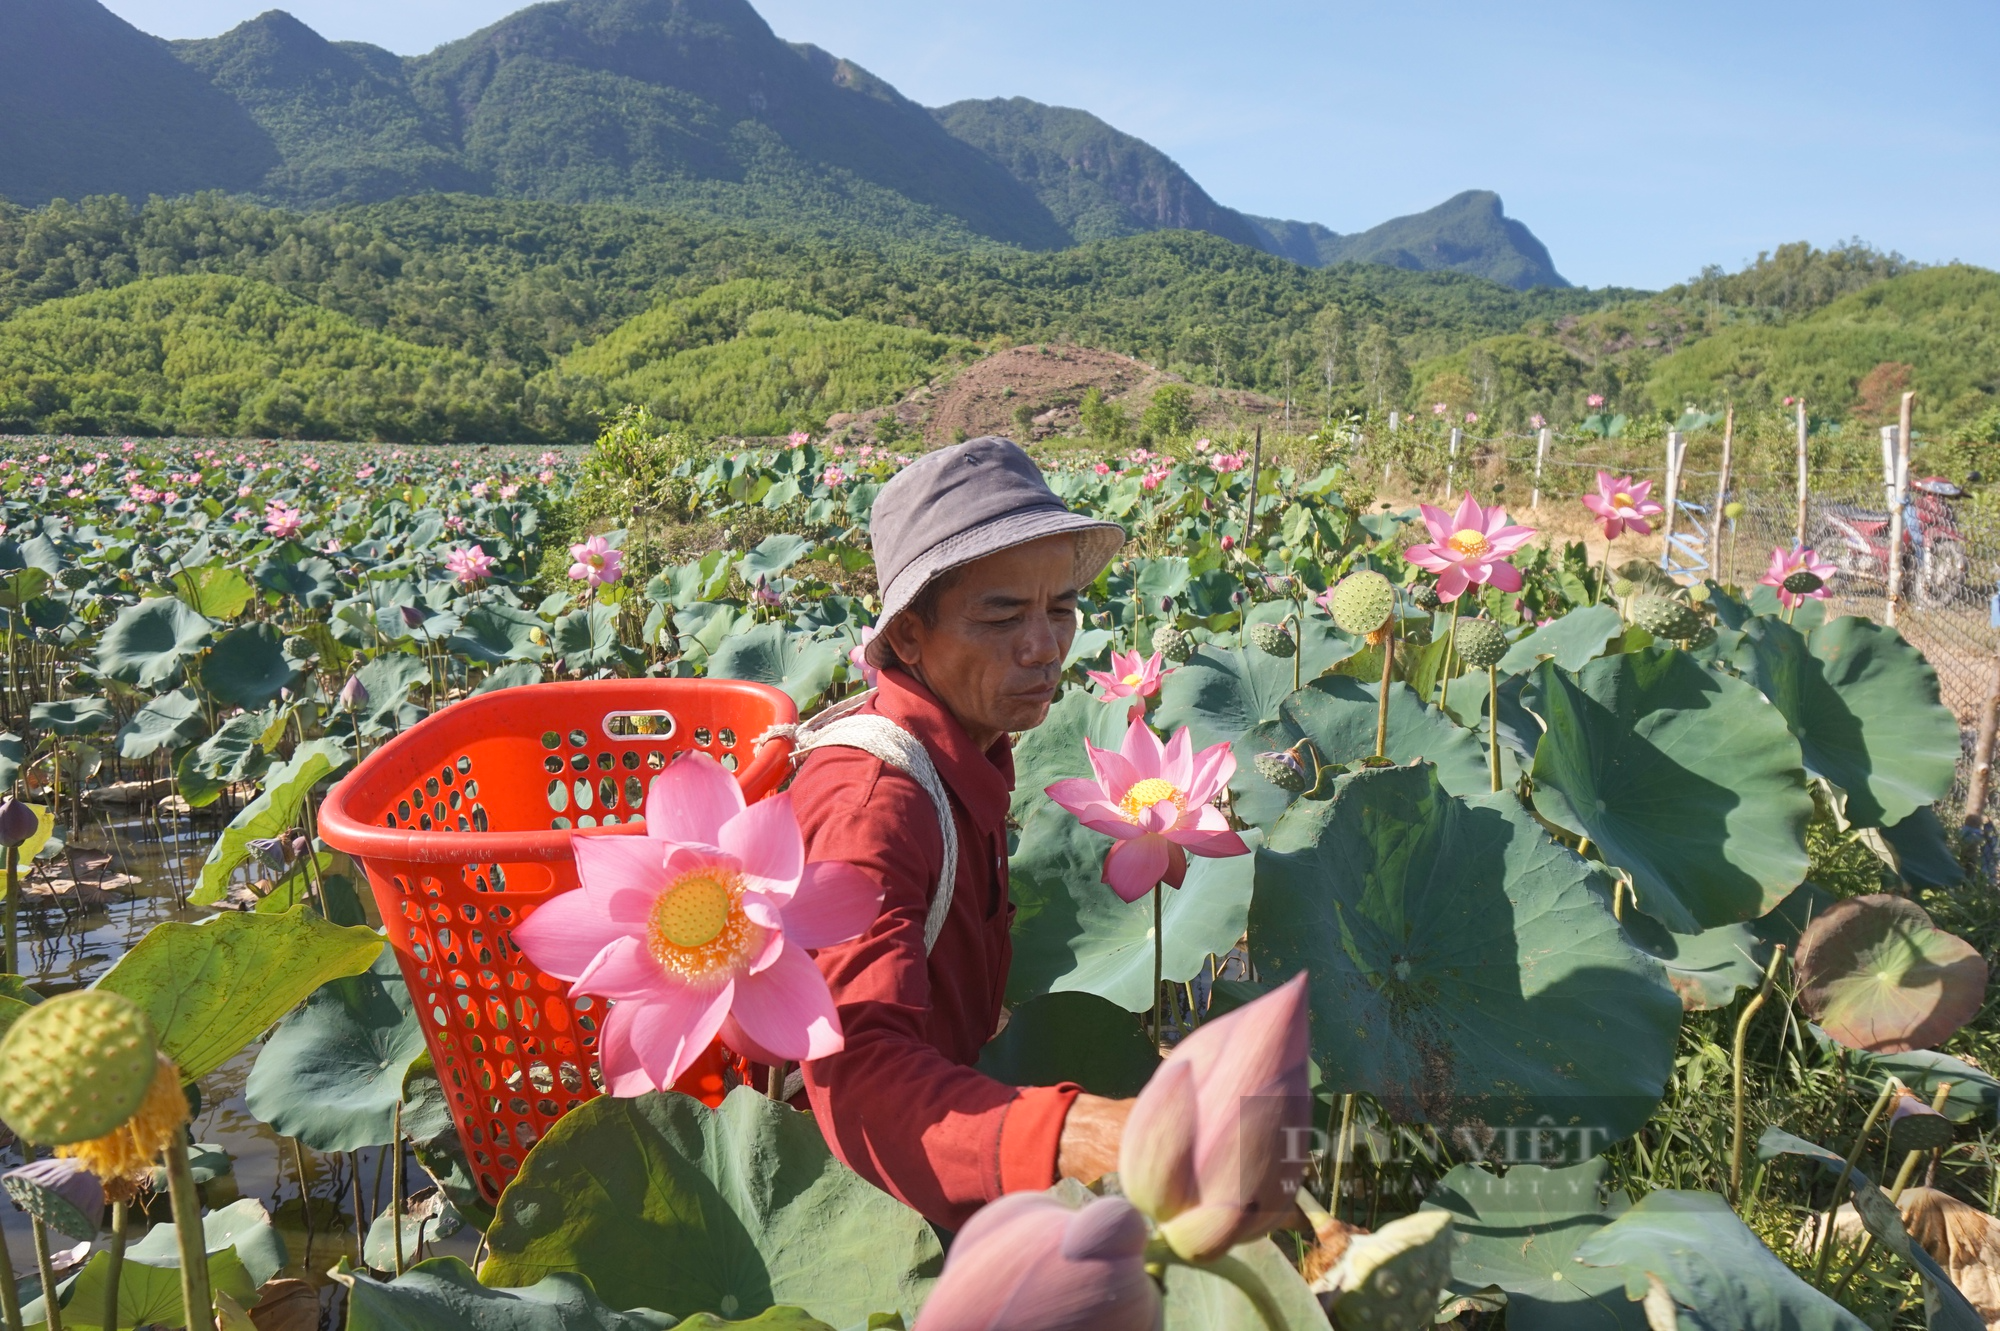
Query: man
{"type": "Point", "coordinates": [979, 565]}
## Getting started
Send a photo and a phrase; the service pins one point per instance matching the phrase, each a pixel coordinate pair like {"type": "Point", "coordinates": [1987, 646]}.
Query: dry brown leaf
{"type": "Point", "coordinates": [1964, 1240]}
{"type": "Point", "coordinates": [286, 1305]}
{"type": "Point", "coordinates": [1334, 1236]}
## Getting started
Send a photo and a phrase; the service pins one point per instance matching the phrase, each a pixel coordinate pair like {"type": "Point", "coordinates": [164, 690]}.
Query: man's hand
{"type": "Point", "coordinates": [1090, 1137]}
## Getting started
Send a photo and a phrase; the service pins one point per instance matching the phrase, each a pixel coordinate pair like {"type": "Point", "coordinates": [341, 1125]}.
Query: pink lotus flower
{"type": "Point", "coordinates": [479, 489]}
{"type": "Point", "coordinates": [1621, 504]}
{"type": "Point", "coordinates": [1439, 408]}
{"type": "Point", "coordinates": [545, 477]}
{"type": "Point", "coordinates": [1151, 480]}
{"type": "Point", "coordinates": [858, 658]}
{"type": "Point", "coordinates": [833, 475]}
{"type": "Point", "coordinates": [1211, 1149]}
{"type": "Point", "coordinates": [1228, 462]}
{"type": "Point", "coordinates": [364, 472]}
{"type": "Point", "coordinates": [1029, 1263]}
{"type": "Point", "coordinates": [701, 926]}
{"type": "Point", "coordinates": [470, 564]}
{"type": "Point", "coordinates": [1102, 469]}
{"type": "Point", "coordinates": [280, 519]}
{"type": "Point", "coordinates": [509, 491]}
{"type": "Point", "coordinates": [1536, 421]}
{"type": "Point", "coordinates": [1784, 563]}
{"type": "Point", "coordinates": [1471, 417]}
{"type": "Point", "coordinates": [546, 460]}
{"type": "Point", "coordinates": [1154, 799]}
{"type": "Point", "coordinates": [1594, 400]}
{"type": "Point", "coordinates": [797, 439]}
{"type": "Point", "coordinates": [595, 562]}
{"type": "Point", "coordinates": [1469, 547]}
{"type": "Point", "coordinates": [1131, 676]}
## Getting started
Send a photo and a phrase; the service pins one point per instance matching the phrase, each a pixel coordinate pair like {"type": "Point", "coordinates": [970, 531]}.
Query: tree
{"type": "Point", "coordinates": [1382, 366]}
{"type": "Point", "coordinates": [1103, 421]}
{"type": "Point", "coordinates": [1171, 412]}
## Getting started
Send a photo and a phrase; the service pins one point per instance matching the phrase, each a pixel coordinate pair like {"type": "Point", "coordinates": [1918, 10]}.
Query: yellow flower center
{"type": "Point", "coordinates": [1145, 794]}
{"type": "Point", "coordinates": [1469, 543]}
{"type": "Point", "coordinates": [698, 926]}
{"type": "Point", "coordinates": [1133, 681]}
{"type": "Point", "coordinates": [1621, 500]}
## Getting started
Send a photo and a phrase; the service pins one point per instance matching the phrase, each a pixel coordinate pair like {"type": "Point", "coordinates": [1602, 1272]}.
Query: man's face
{"type": "Point", "coordinates": [1003, 630]}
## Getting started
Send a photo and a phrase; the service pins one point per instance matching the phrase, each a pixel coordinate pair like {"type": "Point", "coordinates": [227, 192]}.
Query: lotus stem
{"type": "Point", "coordinates": [51, 1306]}
{"type": "Point", "coordinates": [10, 1292]}
{"type": "Point", "coordinates": [1750, 1010]}
{"type": "Point", "coordinates": [188, 1234]}
{"type": "Point", "coordinates": [774, 1081]}
{"type": "Point", "coordinates": [396, 1186]}
{"type": "Point", "coordinates": [305, 1200]}
{"type": "Point", "coordinates": [7, 913]}
{"type": "Point", "coordinates": [1902, 1182]}
{"type": "Point", "coordinates": [1299, 645]}
{"type": "Point", "coordinates": [1603, 574]}
{"type": "Point", "coordinates": [1159, 959]}
{"type": "Point", "coordinates": [1825, 1235]}
{"type": "Point", "coordinates": [114, 1264]}
{"type": "Point", "coordinates": [1340, 1151]}
{"type": "Point", "coordinates": [1493, 723]}
{"type": "Point", "coordinates": [1382, 704]}
{"type": "Point", "coordinates": [1450, 648]}
{"type": "Point", "coordinates": [1252, 1286]}
{"type": "Point", "coordinates": [354, 1181]}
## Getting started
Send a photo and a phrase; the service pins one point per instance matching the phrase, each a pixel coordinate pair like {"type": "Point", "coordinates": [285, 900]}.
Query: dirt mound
{"type": "Point", "coordinates": [1043, 383]}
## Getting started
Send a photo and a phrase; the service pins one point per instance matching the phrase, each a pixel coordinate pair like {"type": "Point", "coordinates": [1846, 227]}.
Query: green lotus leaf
{"type": "Point", "coordinates": [1221, 695]}
{"type": "Point", "coordinates": [773, 555]}
{"type": "Point", "coordinates": [277, 810]}
{"type": "Point", "coordinates": [331, 1074]}
{"type": "Point", "coordinates": [11, 1009]}
{"type": "Point", "coordinates": [1877, 975]}
{"type": "Point", "coordinates": [424, 1220]}
{"type": "Point", "coordinates": [1683, 777]}
{"type": "Point", "coordinates": [442, 1295]}
{"type": "Point", "coordinates": [801, 665]}
{"type": "Point", "coordinates": [389, 679]}
{"type": "Point", "coordinates": [495, 633]}
{"type": "Point", "coordinates": [1864, 705]}
{"type": "Point", "coordinates": [428, 1124]}
{"type": "Point", "coordinates": [243, 1227]}
{"type": "Point", "coordinates": [168, 722]}
{"type": "Point", "coordinates": [587, 639]}
{"type": "Point", "coordinates": [1072, 1037]}
{"type": "Point", "coordinates": [314, 583]}
{"type": "Point", "coordinates": [21, 585]}
{"type": "Point", "coordinates": [1053, 750]}
{"type": "Point", "coordinates": [510, 677]}
{"type": "Point", "coordinates": [13, 753]}
{"type": "Point", "coordinates": [1709, 968]}
{"type": "Point", "coordinates": [664, 1203]}
{"type": "Point", "coordinates": [236, 752]}
{"type": "Point", "coordinates": [217, 590]}
{"type": "Point", "coordinates": [248, 666]}
{"type": "Point", "coordinates": [71, 716]}
{"type": "Point", "coordinates": [1339, 715]}
{"type": "Point", "coordinates": [1572, 642]}
{"type": "Point", "coordinates": [1200, 1300]}
{"type": "Point", "coordinates": [1521, 1231]}
{"type": "Point", "coordinates": [1466, 969]}
{"type": "Point", "coordinates": [149, 1292]}
{"type": "Point", "coordinates": [1809, 615]}
{"type": "Point", "coordinates": [1922, 850]}
{"type": "Point", "coordinates": [1974, 1093]}
{"type": "Point", "coordinates": [1072, 933]}
{"type": "Point", "coordinates": [1712, 1263]}
{"type": "Point", "coordinates": [212, 988]}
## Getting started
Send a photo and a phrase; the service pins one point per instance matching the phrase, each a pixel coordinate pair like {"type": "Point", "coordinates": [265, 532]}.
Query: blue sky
{"type": "Point", "coordinates": [1639, 141]}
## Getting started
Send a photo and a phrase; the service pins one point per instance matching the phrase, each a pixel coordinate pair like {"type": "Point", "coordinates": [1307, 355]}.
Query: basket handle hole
{"type": "Point", "coordinates": [655, 725]}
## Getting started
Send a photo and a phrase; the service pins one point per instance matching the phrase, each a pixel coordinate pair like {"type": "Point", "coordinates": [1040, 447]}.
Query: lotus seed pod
{"type": "Point", "coordinates": [1392, 1278]}
{"type": "Point", "coordinates": [1622, 586]}
{"type": "Point", "coordinates": [299, 649]}
{"type": "Point", "coordinates": [1803, 582]}
{"type": "Point", "coordinates": [1915, 1126]}
{"type": "Point", "coordinates": [17, 822]}
{"type": "Point", "coordinates": [1362, 602]}
{"type": "Point", "coordinates": [1173, 644]}
{"type": "Point", "coordinates": [1425, 596]}
{"type": "Point", "coordinates": [74, 576]}
{"type": "Point", "coordinates": [1481, 643]}
{"type": "Point", "coordinates": [62, 1194]}
{"type": "Point", "coordinates": [1274, 639]}
{"type": "Point", "coordinates": [1732, 510]}
{"type": "Point", "coordinates": [1665, 617]}
{"type": "Point", "coordinates": [1282, 770]}
{"type": "Point", "coordinates": [1703, 637]}
{"type": "Point", "coordinates": [76, 1067]}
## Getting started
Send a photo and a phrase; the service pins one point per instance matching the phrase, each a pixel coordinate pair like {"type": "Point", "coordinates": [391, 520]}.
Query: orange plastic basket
{"type": "Point", "coordinates": [463, 823]}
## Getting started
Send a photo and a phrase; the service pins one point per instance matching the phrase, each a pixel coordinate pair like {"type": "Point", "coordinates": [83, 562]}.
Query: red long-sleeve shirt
{"type": "Point", "coordinates": [901, 1104]}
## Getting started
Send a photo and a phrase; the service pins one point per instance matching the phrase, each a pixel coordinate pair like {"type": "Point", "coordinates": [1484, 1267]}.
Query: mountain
{"type": "Point", "coordinates": [91, 105]}
{"type": "Point", "coordinates": [1099, 182]}
{"type": "Point", "coordinates": [1467, 233]}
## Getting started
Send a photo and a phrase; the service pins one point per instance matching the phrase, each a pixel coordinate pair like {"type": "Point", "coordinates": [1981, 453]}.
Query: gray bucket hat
{"type": "Point", "coordinates": [963, 503]}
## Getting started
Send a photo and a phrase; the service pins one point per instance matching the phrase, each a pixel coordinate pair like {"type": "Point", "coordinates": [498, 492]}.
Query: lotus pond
{"type": "Point", "coordinates": [1642, 983]}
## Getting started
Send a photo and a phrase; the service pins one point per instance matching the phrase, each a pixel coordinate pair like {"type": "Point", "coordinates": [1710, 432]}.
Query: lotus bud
{"type": "Point", "coordinates": [62, 1194]}
{"type": "Point", "coordinates": [299, 847]}
{"type": "Point", "coordinates": [1029, 1263]}
{"type": "Point", "coordinates": [17, 822]}
{"type": "Point", "coordinates": [1166, 605]}
{"type": "Point", "coordinates": [1229, 542]}
{"type": "Point", "coordinates": [1215, 1144]}
{"type": "Point", "coordinates": [354, 694]}
{"type": "Point", "coordinates": [413, 617]}
{"type": "Point", "coordinates": [1915, 1126]}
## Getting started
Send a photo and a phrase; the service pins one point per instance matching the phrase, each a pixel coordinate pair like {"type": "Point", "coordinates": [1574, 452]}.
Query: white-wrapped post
{"type": "Point", "coordinates": [1451, 463]}
{"type": "Point", "coordinates": [1675, 449]}
{"type": "Point", "coordinates": [1541, 452]}
{"type": "Point", "coordinates": [1802, 473]}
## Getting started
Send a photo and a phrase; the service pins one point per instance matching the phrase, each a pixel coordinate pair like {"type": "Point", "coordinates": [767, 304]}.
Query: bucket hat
{"type": "Point", "coordinates": [963, 503]}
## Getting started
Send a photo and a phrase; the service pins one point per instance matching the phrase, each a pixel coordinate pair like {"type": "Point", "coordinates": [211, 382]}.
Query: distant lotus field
{"type": "Point", "coordinates": [1592, 938]}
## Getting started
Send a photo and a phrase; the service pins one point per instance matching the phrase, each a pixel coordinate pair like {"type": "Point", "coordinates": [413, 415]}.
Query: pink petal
{"type": "Point", "coordinates": [1158, 818]}
{"type": "Point", "coordinates": [1110, 683]}
{"type": "Point", "coordinates": [1214, 845]}
{"type": "Point", "coordinates": [1430, 558]}
{"type": "Point", "coordinates": [648, 1045]}
{"type": "Point", "coordinates": [1504, 576]}
{"type": "Point", "coordinates": [765, 839]}
{"type": "Point", "coordinates": [1601, 507]}
{"type": "Point", "coordinates": [1640, 525]}
{"type": "Point", "coordinates": [1452, 581]}
{"type": "Point", "coordinates": [1469, 517]}
{"type": "Point", "coordinates": [1177, 762]}
{"type": "Point", "coordinates": [1142, 749]}
{"type": "Point", "coordinates": [1438, 522]}
{"type": "Point", "coordinates": [1115, 773]}
{"type": "Point", "coordinates": [691, 800]}
{"type": "Point", "coordinates": [564, 934]}
{"type": "Point", "coordinates": [623, 970]}
{"type": "Point", "coordinates": [620, 874]}
{"type": "Point", "coordinates": [787, 1010]}
{"type": "Point", "coordinates": [835, 902]}
{"type": "Point", "coordinates": [1213, 767]}
{"type": "Point", "coordinates": [1135, 867]}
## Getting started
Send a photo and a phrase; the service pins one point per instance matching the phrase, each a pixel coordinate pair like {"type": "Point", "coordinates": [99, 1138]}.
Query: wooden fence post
{"type": "Point", "coordinates": [1676, 449]}
{"type": "Point", "coordinates": [1721, 493]}
{"type": "Point", "coordinates": [1801, 540]}
{"type": "Point", "coordinates": [1982, 753]}
{"type": "Point", "coordinates": [1541, 451]}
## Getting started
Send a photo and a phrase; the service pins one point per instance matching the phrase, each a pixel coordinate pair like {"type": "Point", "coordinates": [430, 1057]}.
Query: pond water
{"type": "Point", "coordinates": [65, 946]}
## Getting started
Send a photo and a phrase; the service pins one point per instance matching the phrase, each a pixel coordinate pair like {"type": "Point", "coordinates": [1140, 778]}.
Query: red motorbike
{"type": "Point", "coordinates": [1856, 541]}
